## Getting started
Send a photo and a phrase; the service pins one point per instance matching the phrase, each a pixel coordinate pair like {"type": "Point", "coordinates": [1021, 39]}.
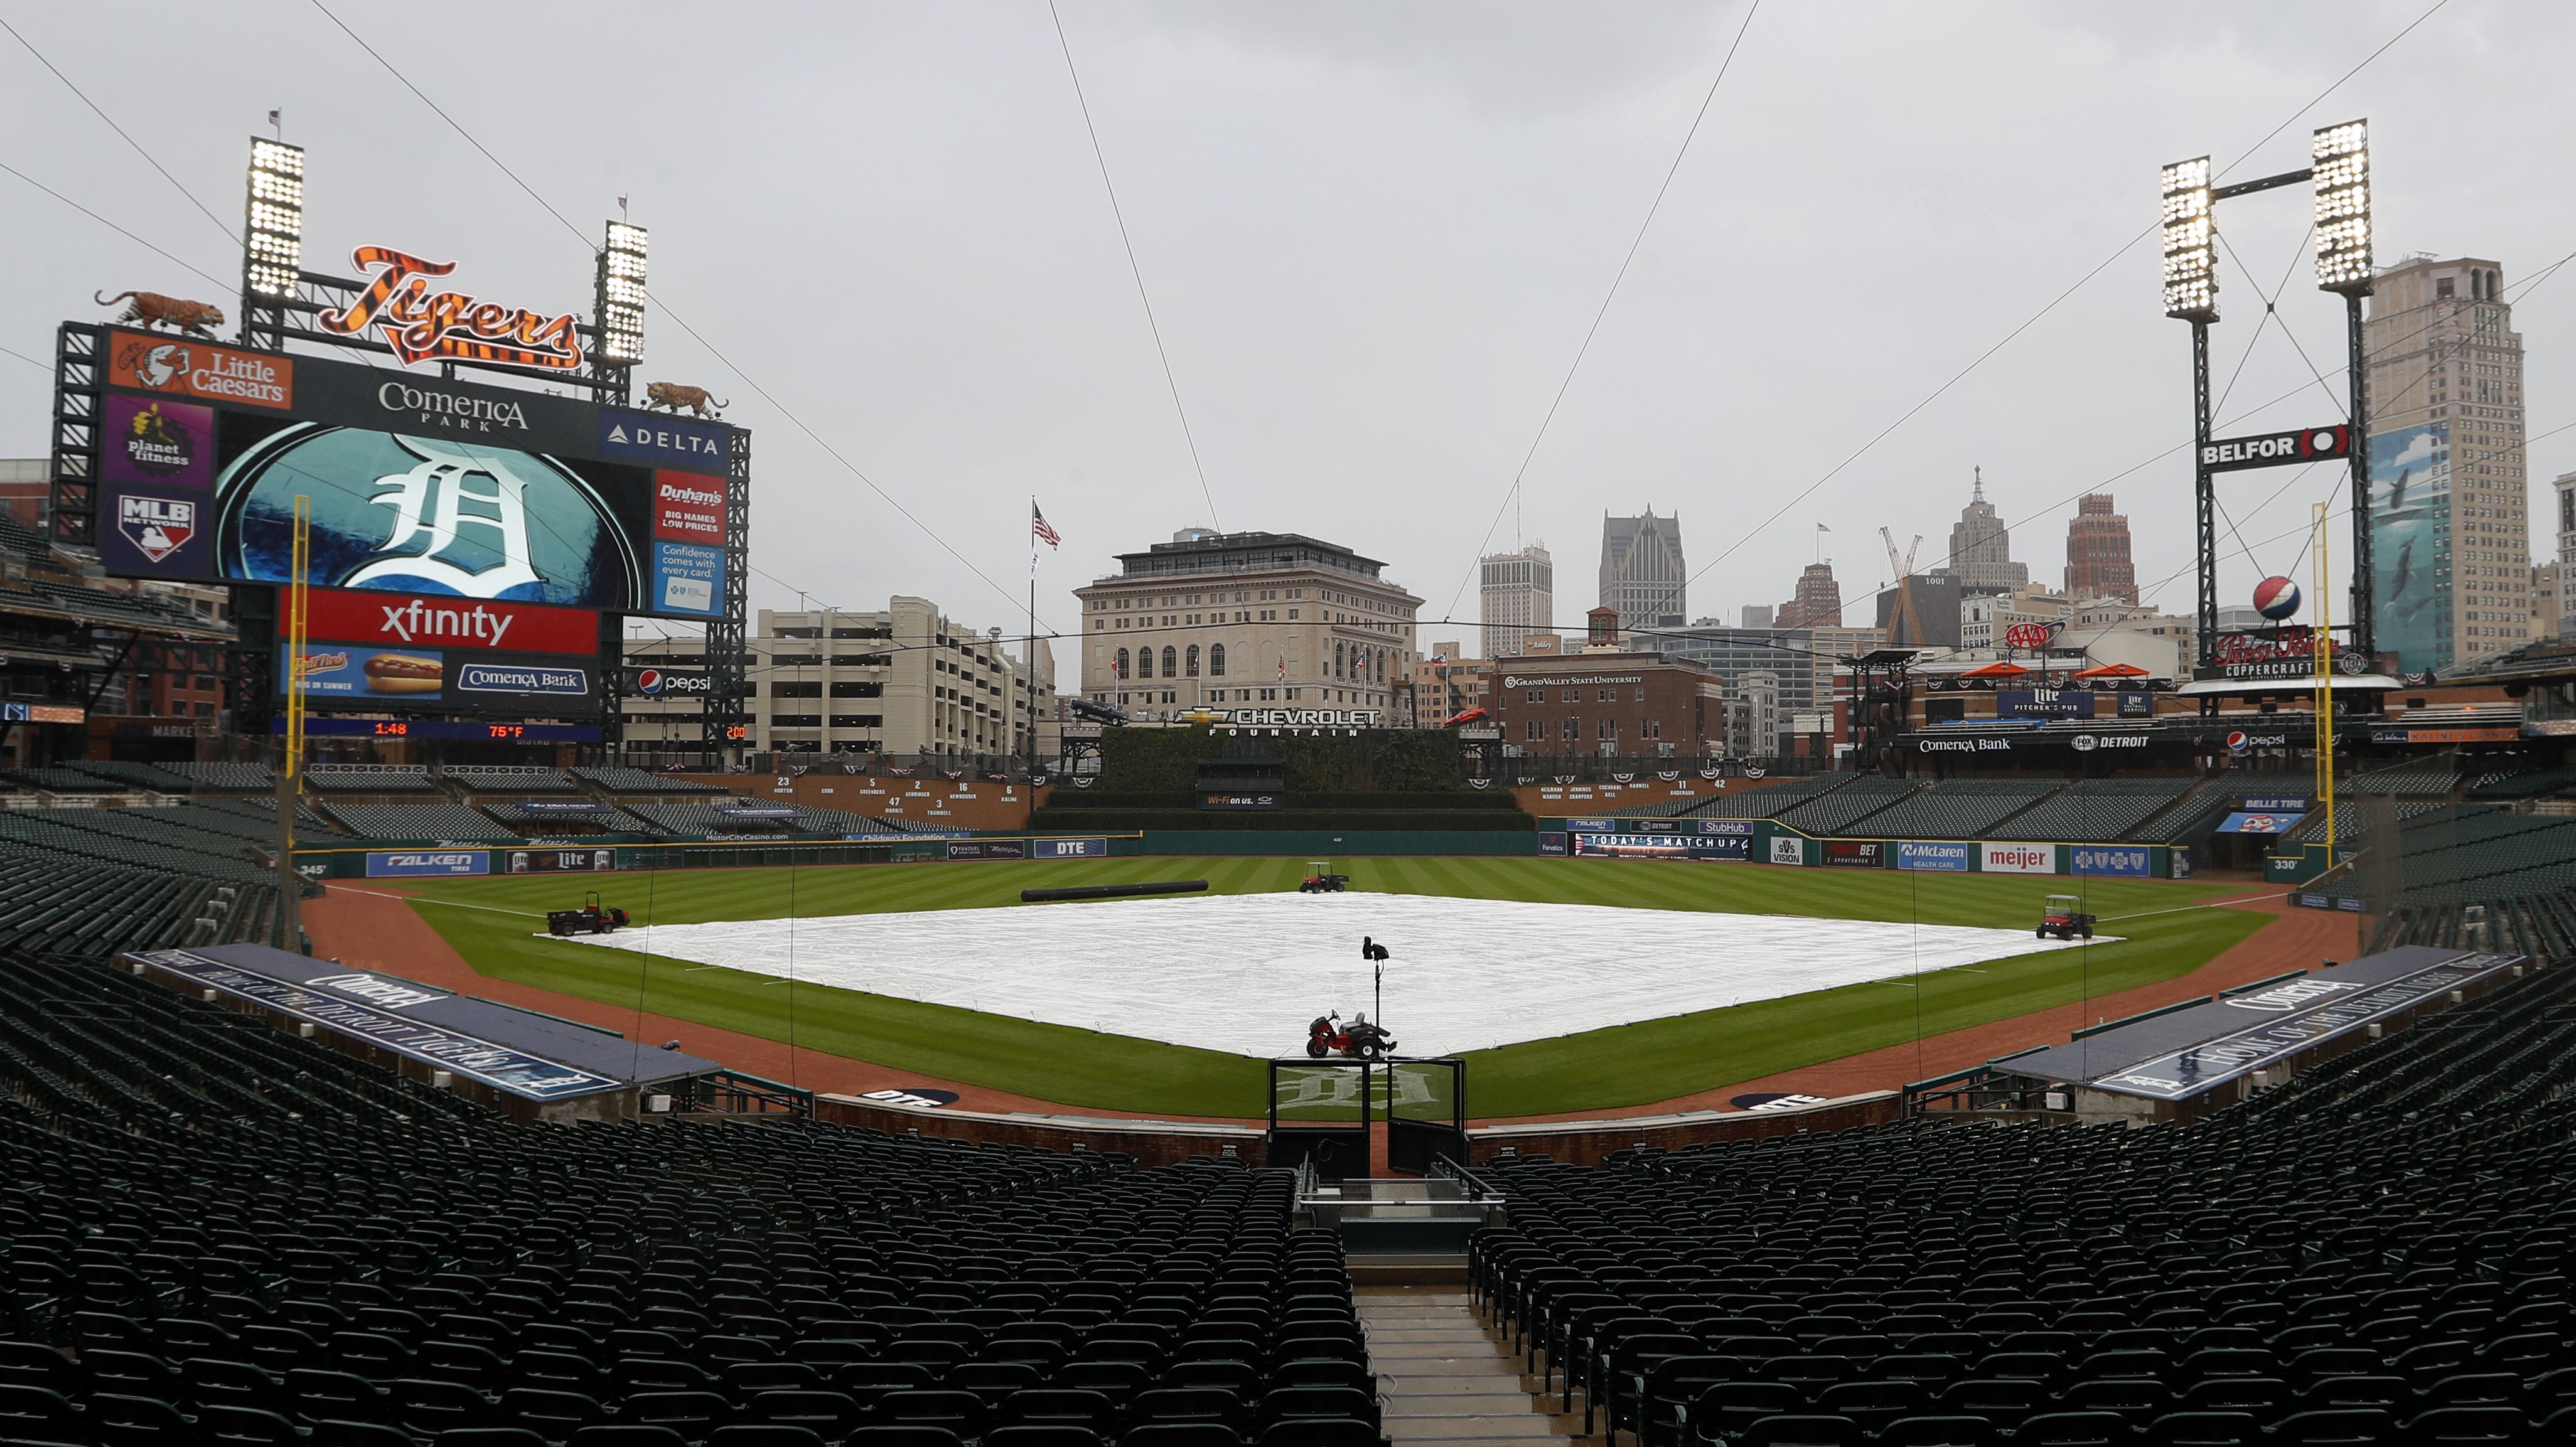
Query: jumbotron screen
{"type": "Point", "coordinates": [418, 484]}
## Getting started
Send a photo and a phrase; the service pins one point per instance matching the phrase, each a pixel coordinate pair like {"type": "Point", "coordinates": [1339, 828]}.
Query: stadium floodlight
{"type": "Point", "coordinates": [273, 233]}
{"type": "Point", "coordinates": [2341, 157]}
{"type": "Point", "coordinates": [2191, 243]}
{"type": "Point", "coordinates": [621, 295]}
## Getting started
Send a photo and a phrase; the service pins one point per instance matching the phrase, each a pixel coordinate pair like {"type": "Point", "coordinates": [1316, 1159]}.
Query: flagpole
{"type": "Point", "coordinates": [1029, 645]}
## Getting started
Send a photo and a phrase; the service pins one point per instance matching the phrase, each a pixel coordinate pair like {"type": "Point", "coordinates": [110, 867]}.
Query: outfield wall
{"type": "Point", "coordinates": [1764, 841]}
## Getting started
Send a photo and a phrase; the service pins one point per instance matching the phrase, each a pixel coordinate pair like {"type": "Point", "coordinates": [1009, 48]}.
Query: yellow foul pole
{"type": "Point", "coordinates": [290, 770]}
{"type": "Point", "coordinates": [2321, 639]}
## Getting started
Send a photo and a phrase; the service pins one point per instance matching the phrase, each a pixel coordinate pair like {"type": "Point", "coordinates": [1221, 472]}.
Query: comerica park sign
{"type": "Point", "coordinates": [2277, 449]}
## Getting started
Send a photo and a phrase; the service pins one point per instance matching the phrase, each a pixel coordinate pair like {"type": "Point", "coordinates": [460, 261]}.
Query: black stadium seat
{"type": "Point", "coordinates": [224, 1233]}
{"type": "Point", "coordinates": [2301, 1267]}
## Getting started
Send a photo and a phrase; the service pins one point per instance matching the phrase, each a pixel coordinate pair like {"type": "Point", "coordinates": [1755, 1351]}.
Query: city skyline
{"type": "Point", "coordinates": [1369, 328]}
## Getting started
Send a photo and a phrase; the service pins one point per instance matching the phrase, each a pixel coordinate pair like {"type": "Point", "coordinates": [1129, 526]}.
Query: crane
{"type": "Point", "coordinates": [1906, 629]}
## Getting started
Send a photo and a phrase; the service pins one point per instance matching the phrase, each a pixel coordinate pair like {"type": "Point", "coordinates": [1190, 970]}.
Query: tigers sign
{"type": "Point", "coordinates": [421, 325]}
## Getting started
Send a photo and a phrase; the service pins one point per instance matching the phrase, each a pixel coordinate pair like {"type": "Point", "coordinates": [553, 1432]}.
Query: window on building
{"type": "Point", "coordinates": [1570, 729]}
{"type": "Point", "coordinates": [1168, 659]}
{"type": "Point", "coordinates": [791, 688]}
{"type": "Point", "coordinates": [1119, 668]}
{"type": "Point", "coordinates": [1574, 695]}
{"type": "Point", "coordinates": [1609, 729]}
{"type": "Point", "coordinates": [1144, 663]}
{"type": "Point", "coordinates": [1216, 660]}
{"type": "Point", "coordinates": [1652, 728]}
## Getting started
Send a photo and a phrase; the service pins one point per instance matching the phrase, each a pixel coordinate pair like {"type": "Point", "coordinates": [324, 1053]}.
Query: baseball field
{"type": "Point", "coordinates": [1126, 1062]}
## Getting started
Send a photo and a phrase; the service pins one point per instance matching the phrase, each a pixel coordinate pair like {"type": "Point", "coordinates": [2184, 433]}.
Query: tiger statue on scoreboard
{"type": "Point", "coordinates": [675, 396]}
{"type": "Point", "coordinates": [152, 309]}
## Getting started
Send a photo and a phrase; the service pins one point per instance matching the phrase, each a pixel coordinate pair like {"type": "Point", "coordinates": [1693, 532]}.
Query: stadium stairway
{"type": "Point", "coordinates": [1442, 1380]}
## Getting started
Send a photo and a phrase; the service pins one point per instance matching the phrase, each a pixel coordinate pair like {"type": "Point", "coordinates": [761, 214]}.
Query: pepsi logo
{"type": "Point", "coordinates": [648, 681]}
{"type": "Point", "coordinates": [2236, 742]}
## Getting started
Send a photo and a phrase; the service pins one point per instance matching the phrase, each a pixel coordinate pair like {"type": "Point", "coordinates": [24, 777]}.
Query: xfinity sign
{"type": "Point", "coordinates": [2277, 449]}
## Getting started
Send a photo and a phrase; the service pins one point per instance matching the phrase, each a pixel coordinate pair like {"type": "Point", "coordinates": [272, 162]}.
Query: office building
{"type": "Point", "coordinates": [1643, 577]}
{"type": "Point", "coordinates": [2547, 620]}
{"type": "Point", "coordinates": [2450, 504]}
{"type": "Point", "coordinates": [904, 681]}
{"type": "Point", "coordinates": [1228, 620]}
{"type": "Point", "coordinates": [1757, 615]}
{"type": "Point", "coordinates": [2564, 485]}
{"type": "Point", "coordinates": [2098, 564]}
{"type": "Point", "coordinates": [1732, 655]}
{"type": "Point", "coordinates": [1981, 548]}
{"type": "Point", "coordinates": [1818, 602]}
{"type": "Point", "coordinates": [1517, 597]}
{"type": "Point", "coordinates": [1754, 730]}
{"type": "Point", "coordinates": [1922, 611]}
{"type": "Point", "coordinates": [1446, 684]}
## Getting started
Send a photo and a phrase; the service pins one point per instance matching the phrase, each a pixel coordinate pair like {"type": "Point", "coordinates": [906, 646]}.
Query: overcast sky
{"type": "Point", "coordinates": [1375, 235]}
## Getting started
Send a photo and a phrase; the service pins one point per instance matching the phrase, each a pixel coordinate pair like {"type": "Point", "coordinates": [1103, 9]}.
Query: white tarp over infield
{"type": "Point", "coordinates": [1244, 973]}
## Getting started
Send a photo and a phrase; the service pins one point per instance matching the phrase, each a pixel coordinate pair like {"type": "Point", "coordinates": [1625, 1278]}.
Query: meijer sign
{"type": "Point", "coordinates": [2020, 859]}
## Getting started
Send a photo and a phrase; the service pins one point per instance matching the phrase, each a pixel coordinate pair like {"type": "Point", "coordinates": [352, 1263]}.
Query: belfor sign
{"type": "Point", "coordinates": [2277, 449]}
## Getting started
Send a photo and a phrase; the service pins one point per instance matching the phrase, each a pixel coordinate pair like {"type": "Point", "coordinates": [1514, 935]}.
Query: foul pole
{"type": "Point", "coordinates": [290, 915]}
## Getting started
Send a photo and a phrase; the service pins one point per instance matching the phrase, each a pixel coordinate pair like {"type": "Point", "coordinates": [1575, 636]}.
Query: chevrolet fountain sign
{"type": "Point", "coordinates": [1301, 718]}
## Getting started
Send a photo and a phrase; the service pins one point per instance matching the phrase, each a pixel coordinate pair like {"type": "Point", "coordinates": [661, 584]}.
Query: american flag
{"type": "Point", "coordinates": [1040, 528]}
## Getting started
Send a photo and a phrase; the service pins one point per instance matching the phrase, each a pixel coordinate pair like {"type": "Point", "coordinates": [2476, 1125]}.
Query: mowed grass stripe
{"type": "Point", "coordinates": [1603, 1069]}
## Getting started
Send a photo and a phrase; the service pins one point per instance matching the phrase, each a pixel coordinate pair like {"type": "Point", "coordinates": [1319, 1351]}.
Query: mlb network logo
{"type": "Point", "coordinates": [156, 526]}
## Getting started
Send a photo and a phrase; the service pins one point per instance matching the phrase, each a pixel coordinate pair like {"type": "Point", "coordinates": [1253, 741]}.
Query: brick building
{"type": "Point", "coordinates": [2098, 564]}
{"type": "Point", "coordinates": [1631, 705]}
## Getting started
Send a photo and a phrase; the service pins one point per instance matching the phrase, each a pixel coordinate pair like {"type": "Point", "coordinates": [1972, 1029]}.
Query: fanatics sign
{"type": "Point", "coordinates": [2277, 449]}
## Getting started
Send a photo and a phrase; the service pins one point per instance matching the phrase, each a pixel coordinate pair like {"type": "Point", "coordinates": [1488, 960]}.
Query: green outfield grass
{"type": "Point", "coordinates": [490, 922]}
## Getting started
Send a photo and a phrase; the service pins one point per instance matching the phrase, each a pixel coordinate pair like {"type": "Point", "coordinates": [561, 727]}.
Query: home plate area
{"type": "Point", "coordinates": [1244, 973]}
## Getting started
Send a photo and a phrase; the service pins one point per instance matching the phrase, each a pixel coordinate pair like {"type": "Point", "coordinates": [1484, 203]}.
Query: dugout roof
{"type": "Point", "coordinates": [521, 1052]}
{"type": "Point", "coordinates": [2182, 1054]}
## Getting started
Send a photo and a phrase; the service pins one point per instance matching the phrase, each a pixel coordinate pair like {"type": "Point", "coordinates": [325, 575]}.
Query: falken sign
{"type": "Point", "coordinates": [2277, 449]}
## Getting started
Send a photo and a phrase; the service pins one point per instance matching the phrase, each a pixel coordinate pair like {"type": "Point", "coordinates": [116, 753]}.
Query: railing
{"type": "Point", "coordinates": [1980, 1089]}
{"type": "Point", "coordinates": [731, 1092]}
